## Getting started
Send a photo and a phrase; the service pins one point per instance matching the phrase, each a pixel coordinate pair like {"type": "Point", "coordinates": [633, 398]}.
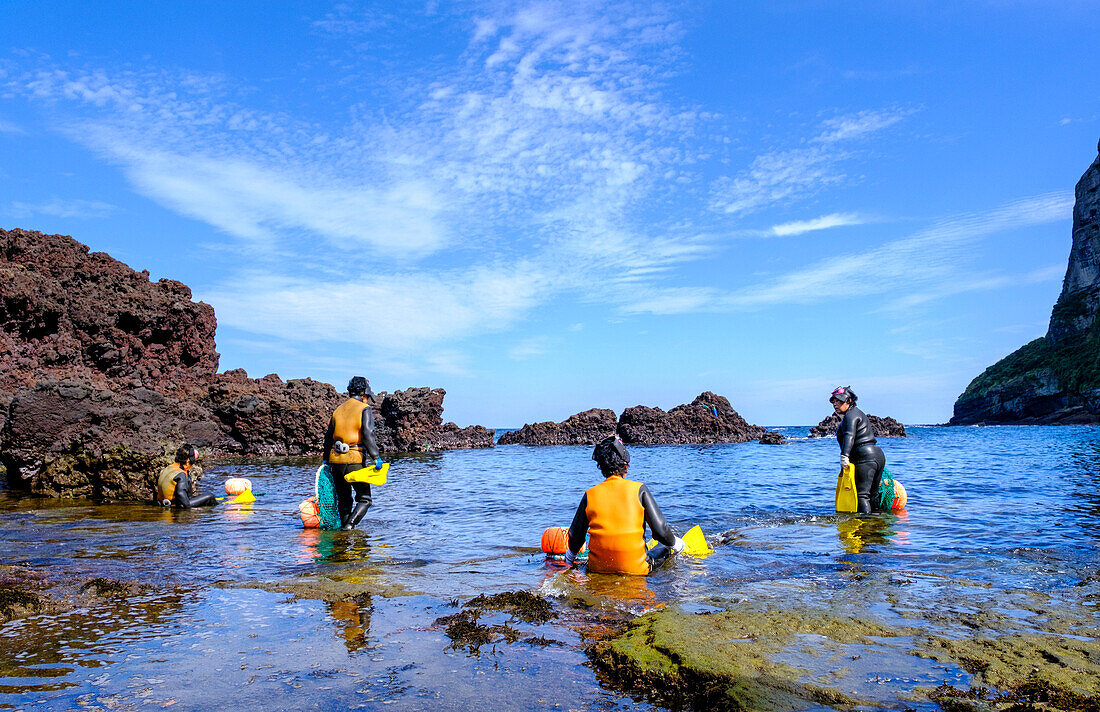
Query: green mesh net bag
{"type": "Point", "coordinates": [326, 499]}
{"type": "Point", "coordinates": [891, 495]}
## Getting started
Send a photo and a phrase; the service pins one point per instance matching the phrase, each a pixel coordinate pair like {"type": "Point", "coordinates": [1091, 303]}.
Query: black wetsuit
{"type": "Point", "coordinates": [183, 492]}
{"type": "Point", "coordinates": [658, 525]}
{"type": "Point", "coordinates": [367, 445]}
{"type": "Point", "coordinates": [857, 441]}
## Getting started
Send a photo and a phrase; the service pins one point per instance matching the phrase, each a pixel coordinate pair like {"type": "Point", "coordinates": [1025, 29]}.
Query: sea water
{"type": "Point", "coordinates": [995, 514]}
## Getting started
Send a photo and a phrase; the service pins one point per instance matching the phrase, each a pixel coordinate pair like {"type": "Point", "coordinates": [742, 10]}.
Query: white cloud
{"type": "Point", "coordinates": [390, 313]}
{"type": "Point", "coordinates": [929, 257]}
{"type": "Point", "coordinates": [59, 208]}
{"type": "Point", "coordinates": [527, 348]}
{"type": "Point", "coordinates": [9, 127]}
{"type": "Point", "coordinates": [783, 175]}
{"type": "Point", "coordinates": [843, 128]}
{"type": "Point", "coordinates": [822, 223]}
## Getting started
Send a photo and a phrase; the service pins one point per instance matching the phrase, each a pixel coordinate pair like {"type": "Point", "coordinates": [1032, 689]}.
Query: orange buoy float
{"type": "Point", "coordinates": [555, 540]}
{"type": "Point", "coordinates": [901, 497]}
{"type": "Point", "coordinates": [236, 485]}
{"type": "Point", "coordinates": [311, 513]}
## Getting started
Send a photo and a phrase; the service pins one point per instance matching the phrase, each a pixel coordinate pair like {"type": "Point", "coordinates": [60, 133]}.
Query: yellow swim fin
{"type": "Point", "coordinates": [245, 497]}
{"type": "Point", "coordinates": [695, 544]}
{"type": "Point", "coordinates": [846, 499]}
{"type": "Point", "coordinates": [370, 475]}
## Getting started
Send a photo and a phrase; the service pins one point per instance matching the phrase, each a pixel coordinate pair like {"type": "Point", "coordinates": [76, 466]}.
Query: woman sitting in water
{"type": "Point", "coordinates": [858, 446]}
{"type": "Point", "coordinates": [174, 487]}
{"type": "Point", "coordinates": [615, 513]}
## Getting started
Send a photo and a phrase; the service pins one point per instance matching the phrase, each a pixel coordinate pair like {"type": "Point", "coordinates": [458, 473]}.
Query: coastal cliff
{"type": "Point", "coordinates": [103, 373]}
{"type": "Point", "coordinates": [1055, 379]}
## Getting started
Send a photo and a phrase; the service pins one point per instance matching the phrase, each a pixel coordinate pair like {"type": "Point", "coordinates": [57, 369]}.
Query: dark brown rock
{"type": "Point", "coordinates": [451, 437]}
{"type": "Point", "coordinates": [268, 417]}
{"type": "Point", "coordinates": [68, 313]}
{"type": "Point", "coordinates": [772, 438]}
{"type": "Point", "coordinates": [71, 438]}
{"type": "Point", "coordinates": [883, 427]}
{"type": "Point", "coordinates": [103, 374]}
{"type": "Point", "coordinates": [695, 423]}
{"type": "Point", "coordinates": [586, 428]}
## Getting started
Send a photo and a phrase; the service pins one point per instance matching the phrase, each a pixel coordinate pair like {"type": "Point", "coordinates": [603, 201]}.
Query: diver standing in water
{"type": "Point", "coordinates": [858, 446]}
{"type": "Point", "coordinates": [614, 513]}
{"type": "Point", "coordinates": [174, 485]}
{"type": "Point", "coordinates": [348, 440]}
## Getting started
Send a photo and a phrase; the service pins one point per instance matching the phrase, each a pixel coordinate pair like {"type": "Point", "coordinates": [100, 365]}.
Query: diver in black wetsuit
{"type": "Point", "coordinates": [349, 442]}
{"type": "Point", "coordinates": [858, 445]}
{"type": "Point", "coordinates": [614, 515]}
{"type": "Point", "coordinates": [174, 486]}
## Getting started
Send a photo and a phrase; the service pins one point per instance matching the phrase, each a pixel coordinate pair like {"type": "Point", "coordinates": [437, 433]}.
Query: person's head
{"type": "Point", "coordinates": [359, 387]}
{"type": "Point", "coordinates": [611, 456]}
{"type": "Point", "coordinates": [186, 456]}
{"type": "Point", "coordinates": [842, 399]}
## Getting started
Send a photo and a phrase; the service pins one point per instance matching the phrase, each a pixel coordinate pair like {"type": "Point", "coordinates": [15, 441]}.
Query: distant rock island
{"type": "Point", "coordinates": [883, 427]}
{"type": "Point", "coordinates": [708, 419]}
{"type": "Point", "coordinates": [1055, 379]}
{"type": "Point", "coordinates": [104, 373]}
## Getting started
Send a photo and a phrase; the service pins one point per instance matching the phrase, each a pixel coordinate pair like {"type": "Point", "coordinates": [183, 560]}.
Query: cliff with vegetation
{"type": "Point", "coordinates": [1055, 379]}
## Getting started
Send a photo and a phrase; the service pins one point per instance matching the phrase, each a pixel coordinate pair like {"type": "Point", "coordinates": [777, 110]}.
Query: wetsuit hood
{"type": "Point", "coordinates": [843, 394]}
{"type": "Point", "coordinates": [611, 455]}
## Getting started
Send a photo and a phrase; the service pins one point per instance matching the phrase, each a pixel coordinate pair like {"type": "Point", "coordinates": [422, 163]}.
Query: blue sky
{"type": "Point", "coordinates": [545, 207]}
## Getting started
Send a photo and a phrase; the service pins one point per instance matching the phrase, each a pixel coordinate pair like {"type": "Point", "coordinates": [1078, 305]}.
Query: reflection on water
{"type": "Point", "coordinates": [992, 511]}
{"type": "Point", "coordinates": [860, 532]}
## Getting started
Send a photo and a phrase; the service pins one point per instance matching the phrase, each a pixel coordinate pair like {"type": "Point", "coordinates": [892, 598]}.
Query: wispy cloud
{"type": "Point", "coordinates": [928, 257]}
{"type": "Point", "coordinates": [784, 175]}
{"type": "Point", "coordinates": [844, 128]}
{"type": "Point", "coordinates": [10, 128]}
{"type": "Point", "coordinates": [822, 223]}
{"type": "Point", "coordinates": [58, 208]}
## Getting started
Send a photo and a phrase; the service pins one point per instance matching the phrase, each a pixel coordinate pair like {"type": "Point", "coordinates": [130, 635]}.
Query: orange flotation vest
{"type": "Point", "coordinates": [166, 485]}
{"type": "Point", "coordinates": [348, 422]}
{"type": "Point", "coordinates": [616, 528]}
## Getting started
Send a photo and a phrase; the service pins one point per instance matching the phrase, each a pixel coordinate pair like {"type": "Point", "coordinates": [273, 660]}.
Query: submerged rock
{"type": "Point", "coordinates": [586, 428]}
{"type": "Point", "coordinates": [708, 419]}
{"type": "Point", "coordinates": [725, 660]}
{"type": "Point", "coordinates": [883, 427]}
{"type": "Point", "coordinates": [1055, 379]}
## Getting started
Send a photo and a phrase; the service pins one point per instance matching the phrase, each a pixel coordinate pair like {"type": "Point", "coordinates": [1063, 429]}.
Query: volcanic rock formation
{"type": "Point", "coordinates": [587, 428]}
{"type": "Point", "coordinates": [1055, 379]}
{"type": "Point", "coordinates": [103, 374]}
{"type": "Point", "coordinates": [883, 427]}
{"type": "Point", "coordinates": [707, 419]}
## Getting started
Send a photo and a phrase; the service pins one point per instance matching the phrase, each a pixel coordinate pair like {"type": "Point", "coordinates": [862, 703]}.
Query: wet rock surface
{"type": "Point", "coordinates": [1055, 379]}
{"type": "Point", "coordinates": [586, 428]}
{"type": "Point", "coordinates": [724, 660]}
{"type": "Point", "coordinates": [103, 374]}
{"type": "Point", "coordinates": [708, 419]}
{"type": "Point", "coordinates": [883, 427]}
{"type": "Point", "coordinates": [772, 438]}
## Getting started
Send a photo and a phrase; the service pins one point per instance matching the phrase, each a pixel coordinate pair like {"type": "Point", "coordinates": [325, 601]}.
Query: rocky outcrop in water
{"type": "Point", "coordinates": [587, 428]}
{"type": "Point", "coordinates": [1055, 379]}
{"type": "Point", "coordinates": [772, 438]}
{"type": "Point", "coordinates": [883, 427]}
{"type": "Point", "coordinates": [104, 373]}
{"type": "Point", "coordinates": [708, 419]}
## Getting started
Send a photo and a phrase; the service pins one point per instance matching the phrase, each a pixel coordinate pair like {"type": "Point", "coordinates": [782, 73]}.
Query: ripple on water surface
{"type": "Point", "coordinates": [993, 512]}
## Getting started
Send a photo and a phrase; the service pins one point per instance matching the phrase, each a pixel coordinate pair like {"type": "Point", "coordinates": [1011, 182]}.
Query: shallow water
{"type": "Point", "coordinates": [997, 517]}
